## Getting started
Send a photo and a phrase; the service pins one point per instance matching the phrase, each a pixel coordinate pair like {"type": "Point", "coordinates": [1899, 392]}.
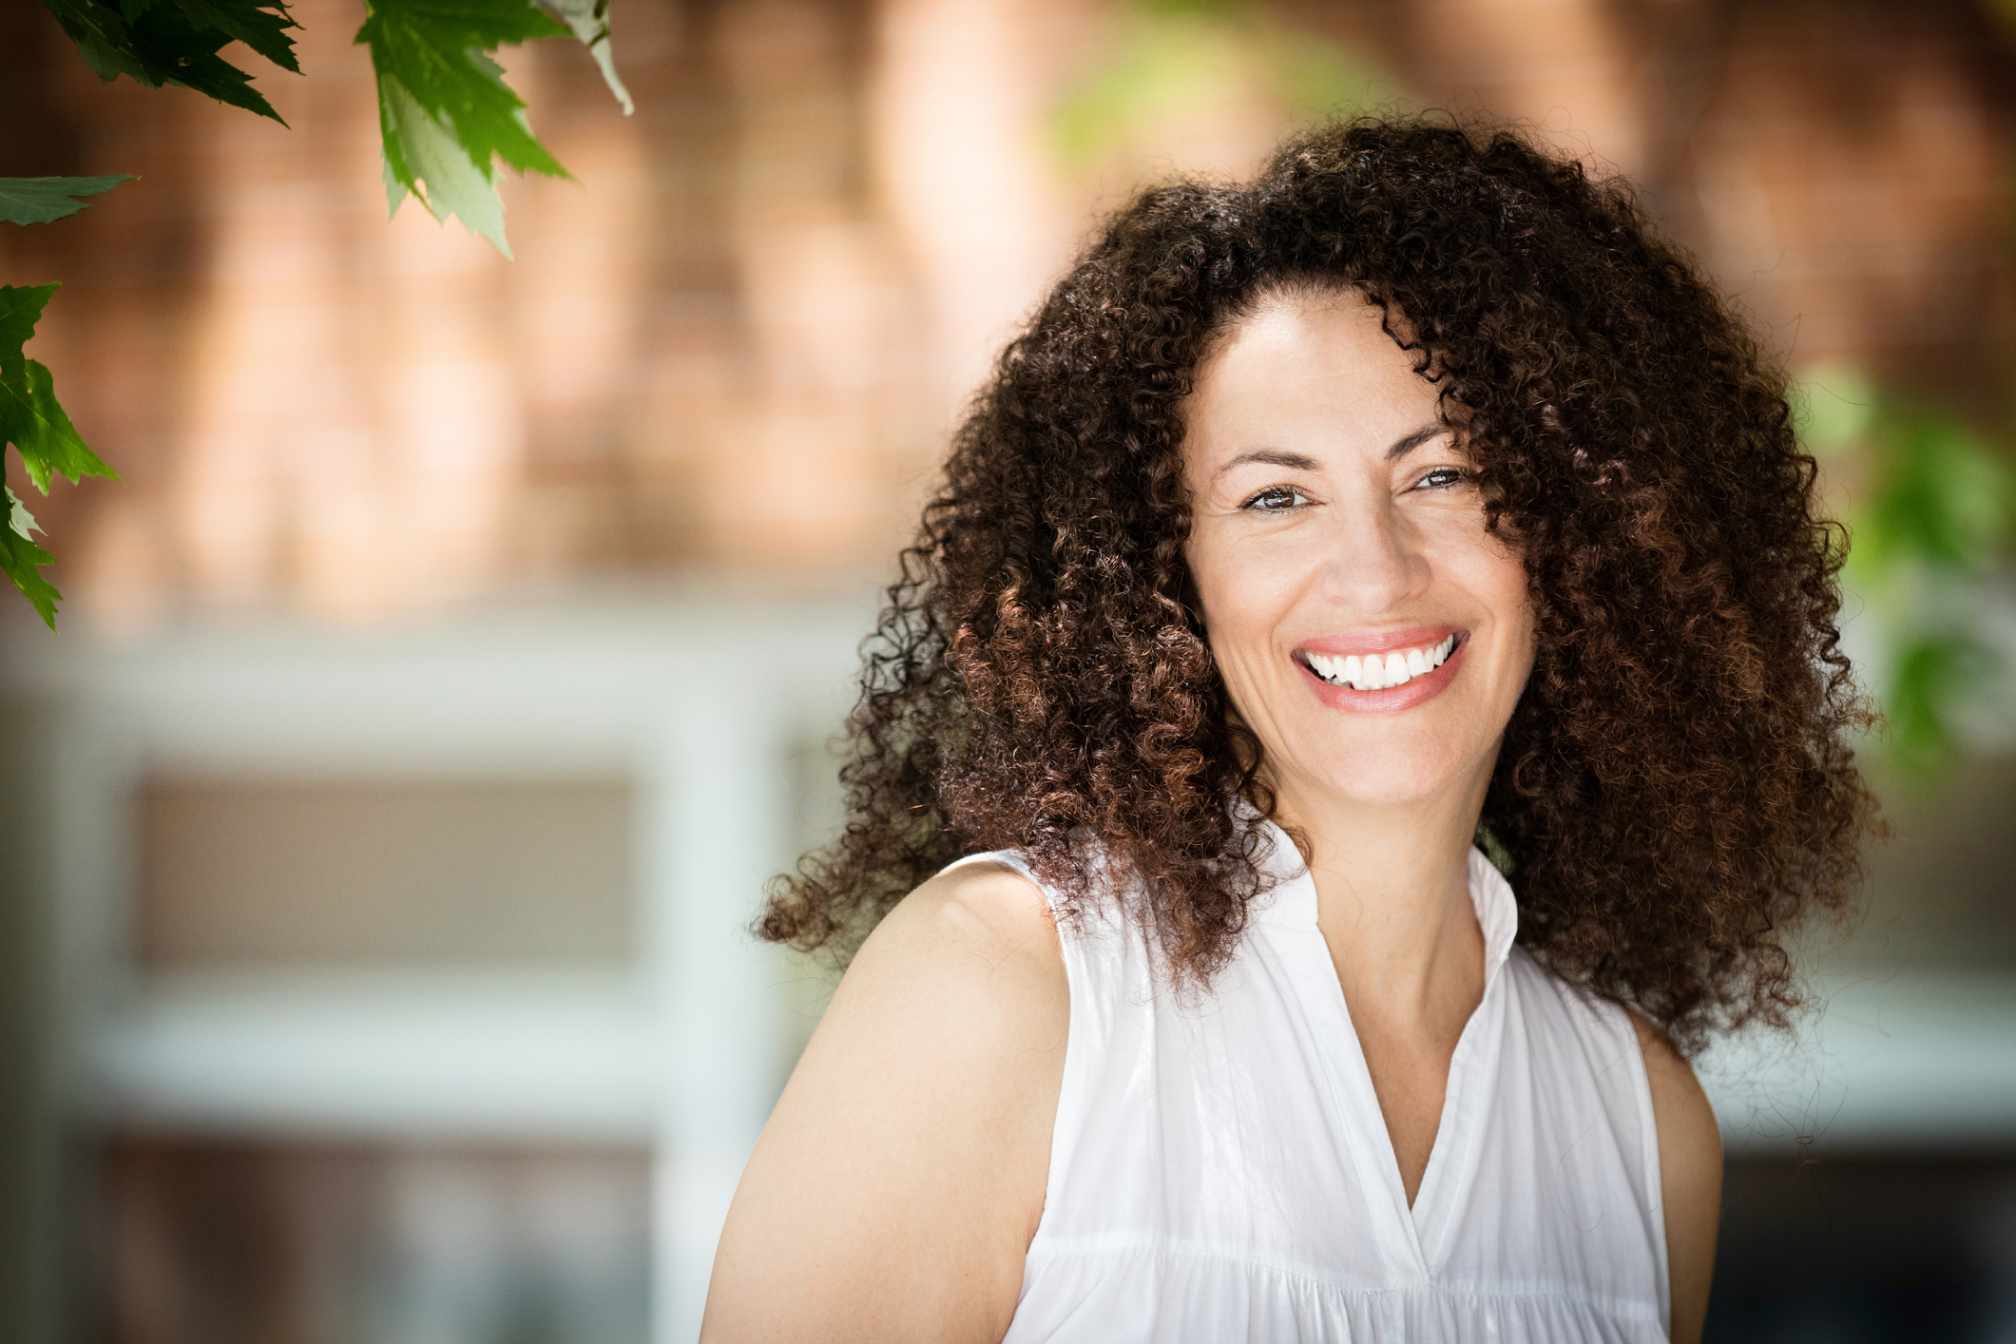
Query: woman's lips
{"type": "Point", "coordinates": [1388, 698]}
{"type": "Point", "coordinates": [1386, 641]}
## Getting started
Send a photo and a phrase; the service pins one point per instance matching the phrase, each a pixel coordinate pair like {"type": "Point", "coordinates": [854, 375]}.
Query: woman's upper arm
{"type": "Point", "coordinates": [892, 1194]}
{"type": "Point", "coordinates": [1690, 1166]}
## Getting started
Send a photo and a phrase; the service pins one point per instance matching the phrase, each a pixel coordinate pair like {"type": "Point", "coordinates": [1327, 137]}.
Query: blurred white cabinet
{"type": "Point", "coordinates": [702, 698]}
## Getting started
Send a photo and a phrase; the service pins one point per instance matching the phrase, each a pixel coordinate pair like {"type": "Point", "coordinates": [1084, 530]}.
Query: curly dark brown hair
{"type": "Point", "coordinates": [1676, 788]}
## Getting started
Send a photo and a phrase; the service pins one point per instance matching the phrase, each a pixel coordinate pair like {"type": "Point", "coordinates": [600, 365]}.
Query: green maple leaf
{"type": "Point", "coordinates": [33, 420]}
{"type": "Point", "coordinates": [38, 200]}
{"type": "Point", "coordinates": [35, 423]}
{"type": "Point", "coordinates": [176, 42]}
{"type": "Point", "coordinates": [30, 417]}
{"type": "Point", "coordinates": [21, 557]}
{"type": "Point", "coordinates": [444, 111]}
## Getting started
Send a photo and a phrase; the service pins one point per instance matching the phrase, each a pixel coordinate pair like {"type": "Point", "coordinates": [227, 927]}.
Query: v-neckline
{"type": "Point", "coordinates": [1378, 1102]}
{"type": "Point", "coordinates": [1419, 1221]}
{"type": "Point", "coordinates": [1453, 1151]}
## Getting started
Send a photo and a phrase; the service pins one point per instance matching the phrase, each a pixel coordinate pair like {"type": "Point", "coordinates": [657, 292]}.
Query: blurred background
{"type": "Point", "coordinates": [461, 647]}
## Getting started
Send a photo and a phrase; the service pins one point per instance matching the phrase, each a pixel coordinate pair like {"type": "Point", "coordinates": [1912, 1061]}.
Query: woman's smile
{"type": "Point", "coordinates": [1418, 686]}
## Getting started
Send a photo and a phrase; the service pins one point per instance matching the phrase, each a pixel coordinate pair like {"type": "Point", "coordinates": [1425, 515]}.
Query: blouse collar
{"type": "Point", "coordinates": [1291, 902]}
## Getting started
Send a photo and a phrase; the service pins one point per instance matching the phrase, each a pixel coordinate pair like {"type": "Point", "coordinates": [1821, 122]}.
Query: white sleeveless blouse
{"type": "Point", "coordinates": [1220, 1169]}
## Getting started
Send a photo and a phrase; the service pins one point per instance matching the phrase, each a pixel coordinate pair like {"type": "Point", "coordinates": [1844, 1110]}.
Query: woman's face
{"type": "Point", "coordinates": [1319, 530]}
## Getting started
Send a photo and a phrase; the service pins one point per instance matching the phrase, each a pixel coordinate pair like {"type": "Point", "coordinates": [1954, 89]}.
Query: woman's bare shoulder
{"type": "Point", "coordinates": [1690, 1165]}
{"type": "Point", "coordinates": [893, 1192]}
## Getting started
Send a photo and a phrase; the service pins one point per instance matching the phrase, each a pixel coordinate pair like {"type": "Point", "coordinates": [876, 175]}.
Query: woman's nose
{"type": "Point", "coordinates": [1372, 558]}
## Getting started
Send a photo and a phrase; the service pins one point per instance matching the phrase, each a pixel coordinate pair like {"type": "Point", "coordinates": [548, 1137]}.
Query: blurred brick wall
{"type": "Point", "coordinates": [740, 339]}
{"type": "Point", "coordinates": [1847, 171]}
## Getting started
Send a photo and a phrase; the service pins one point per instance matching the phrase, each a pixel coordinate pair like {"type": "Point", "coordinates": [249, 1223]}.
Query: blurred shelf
{"type": "Point", "coordinates": [1919, 1061]}
{"type": "Point", "coordinates": [1924, 1059]}
{"type": "Point", "coordinates": [580, 677]}
{"type": "Point", "coordinates": [422, 1054]}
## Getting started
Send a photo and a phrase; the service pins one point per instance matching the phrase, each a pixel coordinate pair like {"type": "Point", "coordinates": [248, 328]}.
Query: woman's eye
{"type": "Point", "coordinates": [1272, 492]}
{"type": "Point", "coordinates": [1457, 472]}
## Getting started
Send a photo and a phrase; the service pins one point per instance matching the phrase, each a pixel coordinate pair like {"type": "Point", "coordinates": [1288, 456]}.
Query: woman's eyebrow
{"type": "Point", "coordinates": [1278, 457]}
{"type": "Point", "coordinates": [1413, 439]}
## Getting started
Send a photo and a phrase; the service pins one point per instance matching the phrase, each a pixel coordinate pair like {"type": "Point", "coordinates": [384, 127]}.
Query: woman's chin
{"type": "Point", "coordinates": [1385, 786]}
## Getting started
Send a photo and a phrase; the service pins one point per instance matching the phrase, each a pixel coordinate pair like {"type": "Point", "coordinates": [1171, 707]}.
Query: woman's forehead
{"type": "Point", "coordinates": [1324, 370]}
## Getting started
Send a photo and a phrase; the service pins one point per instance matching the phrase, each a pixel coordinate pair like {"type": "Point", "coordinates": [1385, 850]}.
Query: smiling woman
{"type": "Point", "coordinates": [1329, 551]}
{"type": "Point", "coordinates": [1381, 523]}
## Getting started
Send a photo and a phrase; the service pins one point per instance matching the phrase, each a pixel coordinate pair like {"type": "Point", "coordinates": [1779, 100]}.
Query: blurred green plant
{"type": "Point", "coordinates": [1931, 517]}
{"type": "Point", "coordinates": [1164, 56]}
{"type": "Point", "coordinates": [445, 116]}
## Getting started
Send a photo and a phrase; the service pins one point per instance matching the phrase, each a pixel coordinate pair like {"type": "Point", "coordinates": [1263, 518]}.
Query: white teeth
{"type": "Point", "coordinates": [1375, 671]}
